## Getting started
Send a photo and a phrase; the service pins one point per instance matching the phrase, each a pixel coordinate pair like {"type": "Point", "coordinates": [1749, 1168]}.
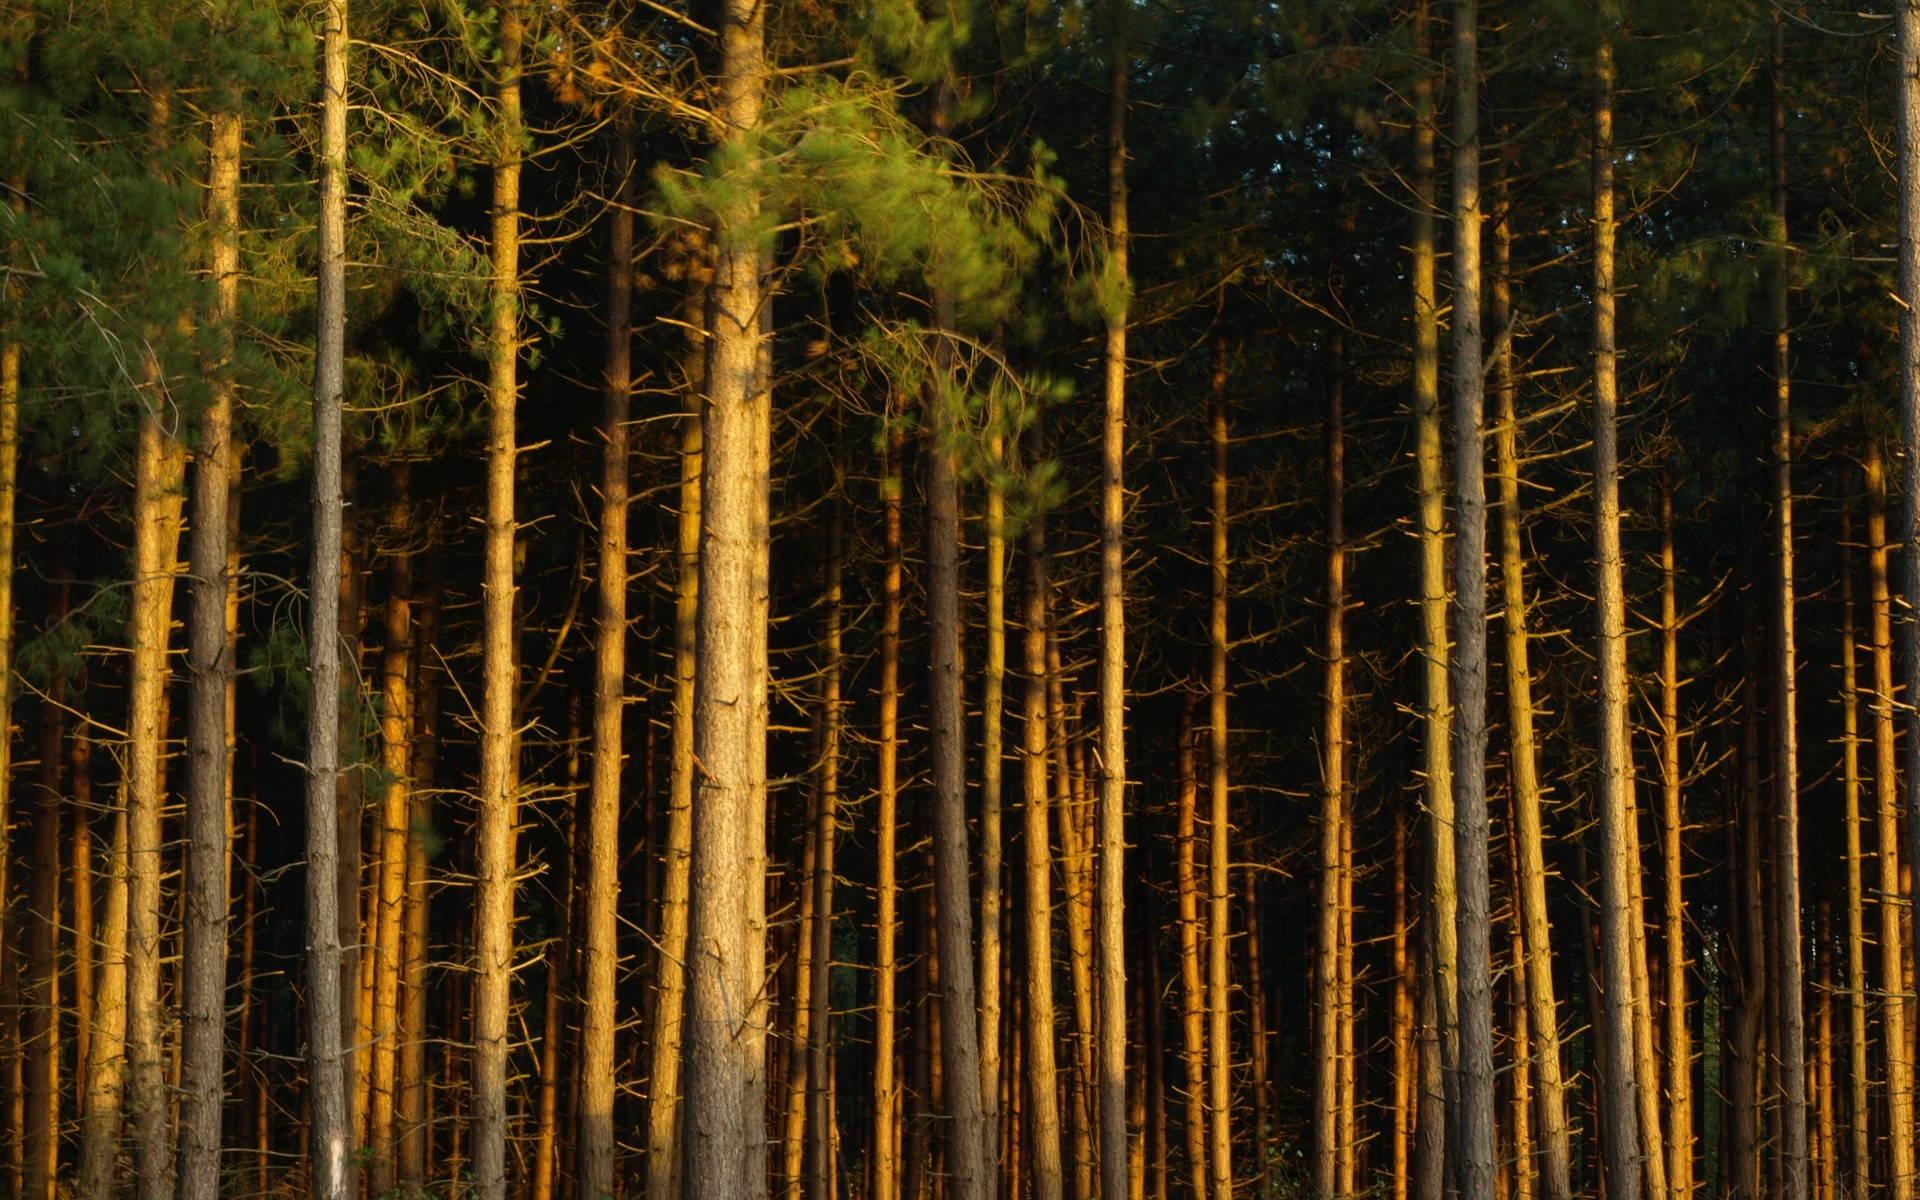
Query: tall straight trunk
{"type": "Point", "coordinates": [821, 1163]}
{"type": "Point", "coordinates": [600, 950]}
{"type": "Point", "coordinates": [159, 466]}
{"type": "Point", "coordinates": [1111, 1056]}
{"type": "Point", "coordinates": [799, 1049]}
{"type": "Point", "coordinates": [1647, 1085]}
{"type": "Point", "coordinates": [1907, 103]}
{"type": "Point", "coordinates": [1895, 1027]}
{"type": "Point", "coordinates": [1344, 1172]}
{"type": "Point", "coordinates": [1474, 1156]}
{"type": "Point", "coordinates": [1792, 1048]}
{"type": "Point", "coordinates": [396, 753]}
{"type": "Point", "coordinates": [670, 989]}
{"type": "Point", "coordinates": [552, 1034]}
{"type": "Point", "coordinates": [1076, 872]}
{"type": "Point", "coordinates": [80, 894]}
{"type": "Point", "coordinates": [494, 834]}
{"type": "Point", "coordinates": [1613, 796]}
{"type": "Point", "coordinates": [992, 846]}
{"type": "Point", "coordinates": [1219, 825]}
{"type": "Point", "coordinates": [724, 1126]}
{"type": "Point", "coordinates": [1400, 1020]}
{"type": "Point", "coordinates": [210, 669]}
{"type": "Point", "coordinates": [107, 1049]}
{"type": "Point", "coordinates": [1193, 993]}
{"type": "Point", "coordinates": [1520, 1079]}
{"type": "Point", "coordinates": [885, 1164]}
{"type": "Point", "coordinates": [1436, 708]}
{"type": "Point", "coordinates": [969, 1173]}
{"type": "Point", "coordinates": [1678, 1046]}
{"type": "Point", "coordinates": [1330, 1004]}
{"type": "Point", "coordinates": [1820, 1070]}
{"type": "Point", "coordinates": [413, 1139]}
{"type": "Point", "coordinates": [9, 492]}
{"type": "Point", "coordinates": [327, 1091]}
{"type": "Point", "coordinates": [40, 978]}
{"type": "Point", "coordinates": [1860, 1153]}
{"type": "Point", "coordinates": [1744, 1047]}
{"type": "Point", "coordinates": [1042, 1084]}
{"type": "Point", "coordinates": [1543, 1019]}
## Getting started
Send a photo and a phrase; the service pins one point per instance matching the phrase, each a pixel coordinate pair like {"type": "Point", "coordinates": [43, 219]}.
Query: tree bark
{"type": "Point", "coordinates": [992, 847]}
{"type": "Point", "coordinates": [1193, 1008]}
{"type": "Point", "coordinates": [725, 1133]}
{"type": "Point", "coordinates": [1111, 1068]}
{"type": "Point", "coordinates": [1678, 1048]}
{"type": "Point", "coordinates": [40, 987]}
{"type": "Point", "coordinates": [822, 1165]}
{"type": "Point", "coordinates": [1792, 1048]}
{"type": "Point", "coordinates": [327, 1098]}
{"type": "Point", "coordinates": [885, 1166]}
{"type": "Point", "coordinates": [1474, 1157]}
{"type": "Point", "coordinates": [396, 746]}
{"type": "Point", "coordinates": [413, 1140]}
{"type": "Point", "coordinates": [210, 670]}
{"type": "Point", "coordinates": [1330, 1006]}
{"type": "Point", "coordinates": [107, 1049]}
{"type": "Point", "coordinates": [1894, 1025]}
{"type": "Point", "coordinates": [664, 1117]}
{"type": "Point", "coordinates": [601, 942]}
{"type": "Point", "coordinates": [1613, 795]}
{"type": "Point", "coordinates": [1859, 1158]}
{"type": "Point", "coordinates": [495, 837]}
{"type": "Point", "coordinates": [1432, 1151]}
{"type": "Point", "coordinates": [1556, 1170]}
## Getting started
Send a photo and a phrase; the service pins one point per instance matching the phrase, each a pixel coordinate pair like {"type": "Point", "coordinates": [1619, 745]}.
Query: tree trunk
{"type": "Point", "coordinates": [107, 1050]}
{"type": "Point", "coordinates": [1330, 1006]}
{"type": "Point", "coordinates": [396, 745]}
{"type": "Point", "coordinates": [1792, 1048]}
{"type": "Point", "coordinates": [1474, 1156]}
{"type": "Point", "coordinates": [1678, 1050]}
{"type": "Point", "coordinates": [1436, 711]}
{"type": "Point", "coordinates": [158, 468]}
{"type": "Point", "coordinates": [414, 1137]}
{"type": "Point", "coordinates": [327, 1099]}
{"type": "Point", "coordinates": [1543, 1022]}
{"type": "Point", "coordinates": [1613, 795]}
{"type": "Point", "coordinates": [724, 1127]}
{"type": "Point", "coordinates": [210, 668]}
{"type": "Point", "coordinates": [1860, 1155]}
{"type": "Point", "coordinates": [1193, 1009]}
{"type": "Point", "coordinates": [664, 1117]}
{"type": "Point", "coordinates": [1895, 1028]}
{"type": "Point", "coordinates": [601, 943]}
{"type": "Point", "coordinates": [1111, 942]}
{"type": "Point", "coordinates": [969, 1174]}
{"type": "Point", "coordinates": [40, 989]}
{"type": "Point", "coordinates": [85, 948]}
{"type": "Point", "coordinates": [992, 846]}
{"type": "Point", "coordinates": [885, 1164]}
{"type": "Point", "coordinates": [793, 1088]}
{"type": "Point", "coordinates": [494, 834]}
{"type": "Point", "coordinates": [1744, 1048]}
{"type": "Point", "coordinates": [822, 1167]}
{"type": "Point", "coordinates": [1400, 1019]}
{"type": "Point", "coordinates": [9, 492]}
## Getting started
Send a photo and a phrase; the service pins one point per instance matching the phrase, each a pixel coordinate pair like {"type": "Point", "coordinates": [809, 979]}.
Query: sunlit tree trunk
{"type": "Point", "coordinates": [107, 1048]}
{"type": "Point", "coordinates": [1859, 1128]}
{"type": "Point", "coordinates": [822, 1163]}
{"type": "Point", "coordinates": [1400, 1017]}
{"type": "Point", "coordinates": [992, 847]}
{"type": "Point", "coordinates": [885, 1162]}
{"type": "Point", "coordinates": [1543, 1024]}
{"type": "Point", "coordinates": [1193, 992]}
{"type": "Point", "coordinates": [1895, 1028]}
{"type": "Point", "coordinates": [724, 1128]}
{"type": "Point", "coordinates": [1613, 795]}
{"type": "Point", "coordinates": [600, 951]}
{"type": "Point", "coordinates": [396, 811]}
{"type": "Point", "coordinates": [80, 894]}
{"type": "Point", "coordinates": [1111, 824]}
{"type": "Point", "coordinates": [1432, 1153]}
{"type": "Point", "coordinates": [1330, 1005]}
{"type": "Point", "coordinates": [1678, 1048]}
{"type": "Point", "coordinates": [414, 1107]}
{"type": "Point", "coordinates": [669, 997]}
{"type": "Point", "coordinates": [495, 836]}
